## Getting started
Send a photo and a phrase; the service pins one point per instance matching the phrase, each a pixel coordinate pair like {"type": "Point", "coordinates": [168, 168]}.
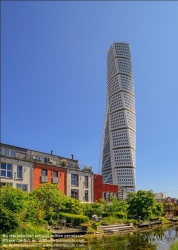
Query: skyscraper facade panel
{"type": "Point", "coordinates": [119, 136]}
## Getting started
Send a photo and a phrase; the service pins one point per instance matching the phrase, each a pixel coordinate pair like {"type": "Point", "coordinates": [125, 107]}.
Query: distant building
{"type": "Point", "coordinates": [160, 196]}
{"type": "Point", "coordinates": [118, 149]}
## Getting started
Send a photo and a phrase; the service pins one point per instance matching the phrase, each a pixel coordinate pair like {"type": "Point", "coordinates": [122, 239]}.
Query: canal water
{"type": "Point", "coordinates": [157, 239]}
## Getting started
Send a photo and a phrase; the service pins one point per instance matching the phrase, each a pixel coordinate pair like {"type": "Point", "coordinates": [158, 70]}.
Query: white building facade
{"type": "Point", "coordinates": [15, 169]}
{"type": "Point", "coordinates": [80, 183]}
{"type": "Point", "coordinates": [118, 150]}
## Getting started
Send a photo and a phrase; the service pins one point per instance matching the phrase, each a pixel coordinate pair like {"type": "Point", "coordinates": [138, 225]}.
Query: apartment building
{"type": "Point", "coordinates": [15, 167]}
{"type": "Point", "coordinates": [27, 169]}
{"type": "Point", "coordinates": [80, 183]}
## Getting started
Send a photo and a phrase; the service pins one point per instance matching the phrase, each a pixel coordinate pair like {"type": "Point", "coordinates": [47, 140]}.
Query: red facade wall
{"type": "Point", "coordinates": [100, 187]}
{"type": "Point", "coordinates": [37, 173]}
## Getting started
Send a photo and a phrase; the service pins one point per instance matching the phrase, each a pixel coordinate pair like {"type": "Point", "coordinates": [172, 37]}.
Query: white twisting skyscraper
{"type": "Point", "coordinates": [118, 149]}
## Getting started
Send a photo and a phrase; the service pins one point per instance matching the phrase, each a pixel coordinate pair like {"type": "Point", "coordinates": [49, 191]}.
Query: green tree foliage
{"type": "Point", "coordinates": [102, 208]}
{"type": "Point", "coordinates": [143, 204]}
{"type": "Point", "coordinates": [158, 209]}
{"type": "Point", "coordinates": [12, 209]}
{"type": "Point", "coordinates": [21, 211]}
{"type": "Point", "coordinates": [74, 206]}
{"type": "Point", "coordinates": [87, 209]}
{"type": "Point", "coordinates": [51, 200]}
{"type": "Point", "coordinates": [118, 206]}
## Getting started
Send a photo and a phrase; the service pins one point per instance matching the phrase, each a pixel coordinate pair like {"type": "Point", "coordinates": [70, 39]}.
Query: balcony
{"type": "Point", "coordinates": [79, 167]}
{"type": "Point", "coordinates": [55, 180]}
{"type": "Point", "coordinates": [44, 178]}
{"type": "Point", "coordinates": [85, 168]}
{"type": "Point", "coordinates": [11, 153]}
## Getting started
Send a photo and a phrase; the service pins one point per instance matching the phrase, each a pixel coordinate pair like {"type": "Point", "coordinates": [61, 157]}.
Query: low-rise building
{"type": "Point", "coordinates": [160, 197]}
{"type": "Point", "coordinates": [104, 190]}
{"type": "Point", "coordinates": [49, 168]}
{"type": "Point", "coordinates": [27, 169]}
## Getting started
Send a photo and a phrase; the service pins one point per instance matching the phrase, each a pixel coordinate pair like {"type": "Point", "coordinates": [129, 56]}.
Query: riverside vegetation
{"type": "Point", "coordinates": [31, 213]}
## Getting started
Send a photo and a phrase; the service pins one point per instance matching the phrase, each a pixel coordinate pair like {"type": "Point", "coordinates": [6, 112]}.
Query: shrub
{"type": "Point", "coordinates": [174, 246]}
{"type": "Point", "coordinates": [120, 215]}
{"type": "Point", "coordinates": [109, 220]}
{"type": "Point", "coordinates": [78, 219]}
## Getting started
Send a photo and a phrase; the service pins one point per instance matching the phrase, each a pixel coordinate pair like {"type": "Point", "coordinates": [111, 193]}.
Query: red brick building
{"type": "Point", "coordinates": [103, 190]}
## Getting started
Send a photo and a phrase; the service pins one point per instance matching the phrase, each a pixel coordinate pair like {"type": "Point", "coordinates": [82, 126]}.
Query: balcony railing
{"type": "Point", "coordinates": [86, 198]}
{"type": "Point", "coordinates": [42, 158]}
{"type": "Point", "coordinates": [44, 178]}
{"type": "Point", "coordinates": [55, 180]}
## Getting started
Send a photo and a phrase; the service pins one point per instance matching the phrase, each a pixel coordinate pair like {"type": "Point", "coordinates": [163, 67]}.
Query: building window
{"type": "Point", "coordinates": [86, 182]}
{"type": "Point", "coordinates": [12, 153]}
{"type": "Point", "coordinates": [55, 174]}
{"type": "Point", "coordinates": [85, 195]}
{"type": "Point", "coordinates": [74, 179]}
{"type": "Point", "coordinates": [44, 172]}
{"type": "Point", "coordinates": [104, 196]}
{"type": "Point", "coordinates": [6, 170]}
{"type": "Point", "coordinates": [74, 194]}
{"type": "Point", "coordinates": [42, 159]}
{"type": "Point", "coordinates": [19, 172]}
{"type": "Point", "coordinates": [23, 187]}
{"type": "Point", "coordinates": [8, 152]}
{"type": "Point", "coordinates": [5, 184]}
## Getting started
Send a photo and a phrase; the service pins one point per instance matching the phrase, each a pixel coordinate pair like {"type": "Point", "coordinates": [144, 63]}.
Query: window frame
{"type": "Point", "coordinates": [19, 172]}
{"type": "Point", "coordinates": [86, 195]}
{"type": "Point", "coordinates": [45, 171]}
{"type": "Point", "coordinates": [6, 170]}
{"type": "Point", "coordinates": [74, 181]}
{"type": "Point", "coordinates": [75, 195]}
{"type": "Point", "coordinates": [20, 184]}
{"type": "Point", "coordinates": [86, 181]}
{"type": "Point", "coordinates": [56, 173]}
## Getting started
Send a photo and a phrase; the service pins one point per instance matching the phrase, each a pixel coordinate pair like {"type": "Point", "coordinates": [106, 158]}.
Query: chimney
{"type": "Point", "coordinates": [72, 156]}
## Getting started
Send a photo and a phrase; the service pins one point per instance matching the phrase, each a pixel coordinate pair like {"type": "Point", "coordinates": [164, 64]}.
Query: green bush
{"type": "Point", "coordinates": [135, 222]}
{"type": "Point", "coordinates": [120, 215]}
{"type": "Point", "coordinates": [78, 219]}
{"type": "Point", "coordinates": [174, 246]}
{"type": "Point", "coordinates": [109, 220]}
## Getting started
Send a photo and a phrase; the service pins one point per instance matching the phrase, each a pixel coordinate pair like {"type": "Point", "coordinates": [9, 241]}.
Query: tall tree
{"type": "Point", "coordinates": [143, 204]}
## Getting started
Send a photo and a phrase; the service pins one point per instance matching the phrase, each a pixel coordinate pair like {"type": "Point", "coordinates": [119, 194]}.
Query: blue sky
{"type": "Point", "coordinates": [53, 80]}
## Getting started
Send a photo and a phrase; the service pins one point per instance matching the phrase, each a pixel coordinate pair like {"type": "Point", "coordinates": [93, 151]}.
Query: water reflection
{"type": "Point", "coordinates": [159, 239]}
{"type": "Point", "coordinates": [163, 240]}
{"type": "Point", "coordinates": [151, 240]}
